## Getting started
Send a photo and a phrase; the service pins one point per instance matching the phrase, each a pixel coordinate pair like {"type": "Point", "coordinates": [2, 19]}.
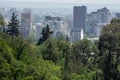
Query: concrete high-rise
{"type": "Point", "coordinates": [79, 22]}
{"type": "Point", "coordinates": [97, 20]}
{"type": "Point", "coordinates": [79, 17]}
{"type": "Point", "coordinates": [25, 23]}
{"type": "Point", "coordinates": [57, 25]}
{"type": "Point", "coordinates": [38, 30]}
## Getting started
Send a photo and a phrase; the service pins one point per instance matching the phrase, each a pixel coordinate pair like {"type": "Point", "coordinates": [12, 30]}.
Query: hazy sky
{"type": "Point", "coordinates": [72, 1]}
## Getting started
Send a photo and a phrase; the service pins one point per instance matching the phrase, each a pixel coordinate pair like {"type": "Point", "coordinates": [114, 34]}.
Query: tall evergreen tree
{"type": "Point", "coordinates": [109, 47]}
{"type": "Point", "coordinates": [13, 27]}
{"type": "Point", "coordinates": [45, 35]}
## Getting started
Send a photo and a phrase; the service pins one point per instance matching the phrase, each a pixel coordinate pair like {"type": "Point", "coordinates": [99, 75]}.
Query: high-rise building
{"type": "Point", "coordinates": [96, 20]}
{"type": "Point", "coordinates": [2, 10]}
{"type": "Point", "coordinates": [117, 15]}
{"type": "Point", "coordinates": [25, 23]}
{"type": "Point", "coordinates": [38, 30]}
{"type": "Point", "coordinates": [57, 25]}
{"type": "Point", "coordinates": [79, 17]}
{"type": "Point", "coordinates": [99, 28]}
{"type": "Point", "coordinates": [104, 15]}
{"type": "Point", "coordinates": [79, 22]}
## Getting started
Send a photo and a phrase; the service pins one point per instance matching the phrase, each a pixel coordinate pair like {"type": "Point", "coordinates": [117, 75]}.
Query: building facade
{"type": "Point", "coordinates": [26, 23]}
{"type": "Point", "coordinates": [97, 20]}
{"type": "Point", "coordinates": [79, 22]}
{"type": "Point", "coordinates": [79, 17]}
{"type": "Point", "coordinates": [57, 25]}
{"type": "Point", "coordinates": [38, 30]}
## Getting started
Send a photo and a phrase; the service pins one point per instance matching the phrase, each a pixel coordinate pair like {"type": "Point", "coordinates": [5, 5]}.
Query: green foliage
{"type": "Point", "coordinates": [57, 59]}
{"type": "Point", "coordinates": [28, 78]}
{"type": "Point", "coordinates": [45, 35]}
{"type": "Point", "coordinates": [55, 50]}
{"type": "Point", "coordinates": [49, 51]}
{"type": "Point", "coordinates": [84, 53]}
{"type": "Point", "coordinates": [13, 27]}
{"type": "Point", "coordinates": [29, 66]}
{"type": "Point", "coordinates": [109, 46]}
{"type": "Point", "coordinates": [87, 76]}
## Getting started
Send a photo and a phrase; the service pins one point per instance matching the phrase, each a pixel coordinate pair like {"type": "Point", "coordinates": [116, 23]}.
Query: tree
{"type": "Point", "coordinates": [109, 46]}
{"type": "Point", "coordinates": [83, 49]}
{"type": "Point", "coordinates": [13, 27]}
{"type": "Point", "coordinates": [45, 35]}
{"type": "Point", "coordinates": [83, 55]}
{"type": "Point", "coordinates": [20, 46]}
{"type": "Point", "coordinates": [2, 23]}
{"type": "Point", "coordinates": [26, 63]}
{"type": "Point", "coordinates": [50, 51]}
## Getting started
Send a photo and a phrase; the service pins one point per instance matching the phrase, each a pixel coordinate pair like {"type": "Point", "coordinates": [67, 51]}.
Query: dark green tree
{"type": "Point", "coordinates": [13, 27]}
{"type": "Point", "coordinates": [45, 35]}
{"type": "Point", "coordinates": [20, 46]}
{"type": "Point", "coordinates": [83, 50]}
{"type": "Point", "coordinates": [109, 46]}
{"type": "Point", "coordinates": [50, 51]}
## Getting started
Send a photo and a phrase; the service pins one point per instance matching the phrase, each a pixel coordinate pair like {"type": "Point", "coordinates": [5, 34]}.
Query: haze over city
{"type": "Point", "coordinates": [92, 5]}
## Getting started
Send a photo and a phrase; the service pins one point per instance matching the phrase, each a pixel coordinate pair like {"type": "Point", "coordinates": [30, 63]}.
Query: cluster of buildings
{"type": "Point", "coordinates": [24, 16]}
{"type": "Point", "coordinates": [92, 23]}
{"type": "Point", "coordinates": [73, 29]}
{"type": "Point", "coordinates": [57, 25]}
{"type": "Point", "coordinates": [97, 20]}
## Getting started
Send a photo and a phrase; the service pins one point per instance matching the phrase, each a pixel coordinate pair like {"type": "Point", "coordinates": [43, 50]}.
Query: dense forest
{"type": "Point", "coordinates": [57, 58]}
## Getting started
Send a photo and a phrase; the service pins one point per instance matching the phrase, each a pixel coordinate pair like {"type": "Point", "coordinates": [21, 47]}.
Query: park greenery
{"type": "Point", "coordinates": [58, 59]}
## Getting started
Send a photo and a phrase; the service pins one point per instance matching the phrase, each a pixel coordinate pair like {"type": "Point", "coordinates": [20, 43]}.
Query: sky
{"type": "Point", "coordinates": [72, 1]}
{"type": "Point", "coordinates": [113, 5]}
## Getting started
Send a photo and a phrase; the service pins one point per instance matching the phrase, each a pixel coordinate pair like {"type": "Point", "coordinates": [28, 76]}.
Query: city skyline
{"type": "Point", "coordinates": [81, 20]}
